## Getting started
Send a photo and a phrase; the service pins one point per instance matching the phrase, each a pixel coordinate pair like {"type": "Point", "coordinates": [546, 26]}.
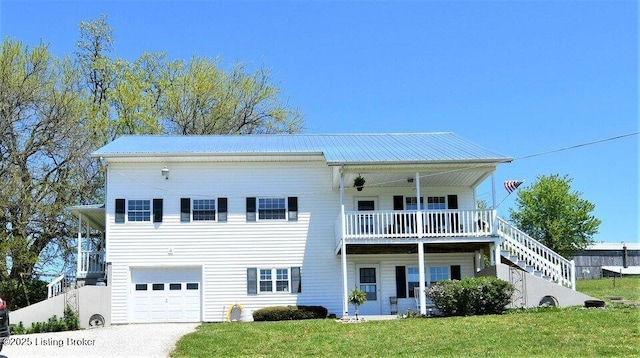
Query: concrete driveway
{"type": "Point", "coordinates": [134, 340]}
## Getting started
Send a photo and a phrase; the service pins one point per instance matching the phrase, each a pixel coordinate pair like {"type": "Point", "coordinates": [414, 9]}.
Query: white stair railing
{"type": "Point", "coordinates": [537, 255]}
{"type": "Point", "coordinates": [56, 286]}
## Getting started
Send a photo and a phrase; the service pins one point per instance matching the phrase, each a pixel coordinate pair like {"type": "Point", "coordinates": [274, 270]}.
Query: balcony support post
{"type": "Point", "coordinates": [418, 219]}
{"type": "Point", "coordinates": [493, 190]}
{"type": "Point", "coordinates": [345, 287]}
{"type": "Point", "coordinates": [79, 258]}
{"type": "Point", "coordinates": [422, 278]}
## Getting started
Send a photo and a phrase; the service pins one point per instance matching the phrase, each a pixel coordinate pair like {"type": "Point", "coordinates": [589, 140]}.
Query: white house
{"type": "Point", "coordinates": [193, 225]}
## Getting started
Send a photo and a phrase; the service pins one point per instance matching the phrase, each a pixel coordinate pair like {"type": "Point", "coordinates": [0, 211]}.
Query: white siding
{"type": "Point", "coordinates": [226, 250]}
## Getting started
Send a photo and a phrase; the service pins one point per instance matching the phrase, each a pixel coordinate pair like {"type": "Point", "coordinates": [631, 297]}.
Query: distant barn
{"type": "Point", "coordinates": [608, 259]}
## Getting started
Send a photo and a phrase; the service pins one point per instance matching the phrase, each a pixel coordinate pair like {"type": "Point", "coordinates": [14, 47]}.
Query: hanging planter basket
{"type": "Point", "coordinates": [358, 182]}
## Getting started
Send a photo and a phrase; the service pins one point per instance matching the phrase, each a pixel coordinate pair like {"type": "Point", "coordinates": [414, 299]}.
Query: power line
{"type": "Point", "coordinates": [578, 146]}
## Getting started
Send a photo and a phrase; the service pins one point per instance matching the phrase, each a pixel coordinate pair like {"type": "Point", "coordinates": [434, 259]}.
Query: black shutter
{"type": "Point", "coordinates": [157, 210]}
{"type": "Point", "coordinates": [252, 281]}
{"type": "Point", "coordinates": [296, 280]}
{"type": "Point", "coordinates": [398, 203]}
{"type": "Point", "coordinates": [401, 282]}
{"type": "Point", "coordinates": [452, 202]}
{"type": "Point", "coordinates": [251, 209]}
{"type": "Point", "coordinates": [222, 209]}
{"type": "Point", "coordinates": [455, 272]}
{"type": "Point", "coordinates": [120, 210]}
{"type": "Point", "coordinates": [185, 210]}
{"type": "Point", "coordinates": [292, 204]}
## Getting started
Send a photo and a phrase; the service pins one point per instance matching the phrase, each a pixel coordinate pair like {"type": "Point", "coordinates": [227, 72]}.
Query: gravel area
{"type": "Point", "coordinates": [134, 340]}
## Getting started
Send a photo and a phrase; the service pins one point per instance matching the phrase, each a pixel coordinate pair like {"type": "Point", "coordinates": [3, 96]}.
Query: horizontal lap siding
{"type": "Point", "coordinates": [226, 250]}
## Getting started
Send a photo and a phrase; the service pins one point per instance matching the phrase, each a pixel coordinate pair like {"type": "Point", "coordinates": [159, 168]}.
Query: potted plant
{"type": "Point", "coordinates": [358, 182]}
{"type": "Point", "coordinates": [357, 297]}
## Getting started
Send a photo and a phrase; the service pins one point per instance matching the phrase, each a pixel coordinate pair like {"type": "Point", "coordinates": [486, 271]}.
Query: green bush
{"type": "Point", "coordinates": [22, 293]}
{"type": "Point", "coordinates": [282, 313]}
{"type": "Point", "coordinates": [70, 322]}
{"type": "Point", "coordinates": [471, 296]}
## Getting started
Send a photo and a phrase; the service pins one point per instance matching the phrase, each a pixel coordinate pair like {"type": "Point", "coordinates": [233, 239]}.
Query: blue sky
{"type": "Point", "coordinates": [519, 77]}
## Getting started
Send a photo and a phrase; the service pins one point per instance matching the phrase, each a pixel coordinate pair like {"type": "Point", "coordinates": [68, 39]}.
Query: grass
{"type": "Point", "coordinates": [627, 287]}
{"type": "Point", "coordinates": [569, 332]}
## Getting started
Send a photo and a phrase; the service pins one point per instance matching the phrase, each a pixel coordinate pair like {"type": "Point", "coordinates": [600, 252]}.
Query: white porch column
{"type": "Point", "coordinates": [79, 259]}
{"type": "Point", "coordinates": [345, 287]}
{"type": "Point", "coordinates": [422, 278]}
{"type": "Point", "coordinates": [419, 225]}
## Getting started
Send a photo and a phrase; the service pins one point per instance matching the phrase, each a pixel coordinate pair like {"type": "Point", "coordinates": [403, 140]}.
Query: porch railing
{"type": "Point", "coordinates": [398, 224]}
{"type": "Point", "coordinates": [90, 262]}
{"type": "Point", "coordinates": [56, 286]}
{"type": "Point", "coordinates": [537, 255]}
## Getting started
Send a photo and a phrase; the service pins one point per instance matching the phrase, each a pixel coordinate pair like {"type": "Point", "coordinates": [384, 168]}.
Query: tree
{"type": "Point", "coordinates": [45, 164]}
{"type": "Point", "coordinates": [55, 112]}
{"type": "Point", "coordinates": [549, 212]}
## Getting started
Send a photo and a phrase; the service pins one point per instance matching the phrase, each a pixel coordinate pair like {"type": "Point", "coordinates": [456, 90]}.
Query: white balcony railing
{"type": "Point", "coordinates": [90, 262]}
{"type": "Point", "coordinates": [398, 224]}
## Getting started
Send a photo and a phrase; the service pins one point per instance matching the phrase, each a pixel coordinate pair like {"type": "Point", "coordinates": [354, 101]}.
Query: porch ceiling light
{"type": "Point", "coordinates": [165, 172]}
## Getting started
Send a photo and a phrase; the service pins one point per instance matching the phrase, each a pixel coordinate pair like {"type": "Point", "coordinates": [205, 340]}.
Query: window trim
{"type": "Point", "coordinates": [129, 211]}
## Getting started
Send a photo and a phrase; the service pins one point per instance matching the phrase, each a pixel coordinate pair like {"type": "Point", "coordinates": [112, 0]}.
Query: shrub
{"type": "Point", "coordinates": [282, 313]}
{"type": "Point", "coordinates": [471, 296]}
{"type": "Point", "coordinates": [70, 322]}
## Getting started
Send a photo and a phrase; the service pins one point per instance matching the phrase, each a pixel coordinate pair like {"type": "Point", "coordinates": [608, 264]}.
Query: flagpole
{"type": "Point", "coordinates": [505, 198]}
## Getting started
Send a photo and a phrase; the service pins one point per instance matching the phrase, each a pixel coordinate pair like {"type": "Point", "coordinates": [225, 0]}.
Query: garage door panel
{"type": "Point", "coordinates": [165, 295]}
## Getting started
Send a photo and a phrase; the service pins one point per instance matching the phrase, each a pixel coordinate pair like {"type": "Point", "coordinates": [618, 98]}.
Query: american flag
{"type": "Point", "coordinates": [512, 185]}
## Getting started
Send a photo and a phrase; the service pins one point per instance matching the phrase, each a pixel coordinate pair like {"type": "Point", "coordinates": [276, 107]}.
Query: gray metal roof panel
{"type": "Point", "coordinates": [336, 148]}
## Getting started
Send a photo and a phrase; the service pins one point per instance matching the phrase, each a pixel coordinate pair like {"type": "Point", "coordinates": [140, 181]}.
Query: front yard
{"type": "Point", "coordinates": [614, 331]}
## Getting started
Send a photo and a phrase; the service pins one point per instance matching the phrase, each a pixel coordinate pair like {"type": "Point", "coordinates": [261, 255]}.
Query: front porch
{"type": "Point", "coordinates": [91, 243]}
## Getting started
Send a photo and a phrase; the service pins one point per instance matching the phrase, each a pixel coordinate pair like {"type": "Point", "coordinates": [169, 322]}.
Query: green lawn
{"type": "Point", "coordinates": [626, 287]}
{"type": "Point", "coordinates": [571, 332]}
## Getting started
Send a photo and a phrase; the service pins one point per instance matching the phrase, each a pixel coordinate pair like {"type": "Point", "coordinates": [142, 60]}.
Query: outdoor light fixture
{"type": "Point", "coordinates": [165, 172]}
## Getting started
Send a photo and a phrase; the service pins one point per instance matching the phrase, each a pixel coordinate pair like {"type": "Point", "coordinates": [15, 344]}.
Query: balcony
{"type": "Point", "coordinates": [91, 264]}
{"type": "Point", "coordinates": [395, 225]}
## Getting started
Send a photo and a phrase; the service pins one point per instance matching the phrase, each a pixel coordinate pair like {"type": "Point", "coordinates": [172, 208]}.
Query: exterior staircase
{"type": "Point", "coordinates": [533, 257]}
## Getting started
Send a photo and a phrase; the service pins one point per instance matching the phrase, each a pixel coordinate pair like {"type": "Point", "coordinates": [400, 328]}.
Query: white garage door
{"type": "Point", "coordinates": [165, 295]}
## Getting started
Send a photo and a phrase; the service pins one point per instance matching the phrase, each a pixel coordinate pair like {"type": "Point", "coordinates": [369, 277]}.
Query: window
{"type": "Point", "coordinates": [141, 286]}
{"type": "Point", "coordinates": [413, 280]}
{"type": "Point", "coordinates": [368, 283]}
{"type": "Point", "coordinates": [436, 203]}
{"type": "Point", "coordinates": [175, 286]}
{"type": "Point", "coordinates": [192, 286]}
{"type": "Point", "coordinates": [438, 273]}
{"type": "Point", "coordinates": [411, 203]}
{"type": "Point", "coordinates": [139, 210]}
{"type": "Point", "coordinates": [204, 209]}
{"type": "Point", "coordinates": [280, 280]}
{"type": "Point", "coordinates": [272, 209]}
{"type": "Point", "coordinates": [266, 284]}
{"type": "Point", "coordinates": [158, 286]}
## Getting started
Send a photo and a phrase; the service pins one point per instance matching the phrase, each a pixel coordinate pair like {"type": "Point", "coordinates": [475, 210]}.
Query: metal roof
{"type": "Point", "coordinates": [336, 148]}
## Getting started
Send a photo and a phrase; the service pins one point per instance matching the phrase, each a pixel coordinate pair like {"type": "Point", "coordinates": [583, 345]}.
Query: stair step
{"type": "Point", "coordinates": [537, 273]}
{"type": "Point", "coordinates": [505, 253]}
{"type": "Point", "coordinates": [529, 269]}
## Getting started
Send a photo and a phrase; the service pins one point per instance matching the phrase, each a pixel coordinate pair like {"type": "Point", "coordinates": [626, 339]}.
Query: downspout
{"type": "Point", "coordinates": [345, 298]}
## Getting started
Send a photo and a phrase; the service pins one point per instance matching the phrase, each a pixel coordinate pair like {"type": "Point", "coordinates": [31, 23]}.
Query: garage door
{"type": "Point", "coordinates": [165, 295]}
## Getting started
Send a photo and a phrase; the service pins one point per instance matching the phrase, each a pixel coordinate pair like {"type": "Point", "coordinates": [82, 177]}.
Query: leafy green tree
{"type": "Point", "coordinates": [45, 165]}
{"type": "Point", "coordinates": [551, 213]}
